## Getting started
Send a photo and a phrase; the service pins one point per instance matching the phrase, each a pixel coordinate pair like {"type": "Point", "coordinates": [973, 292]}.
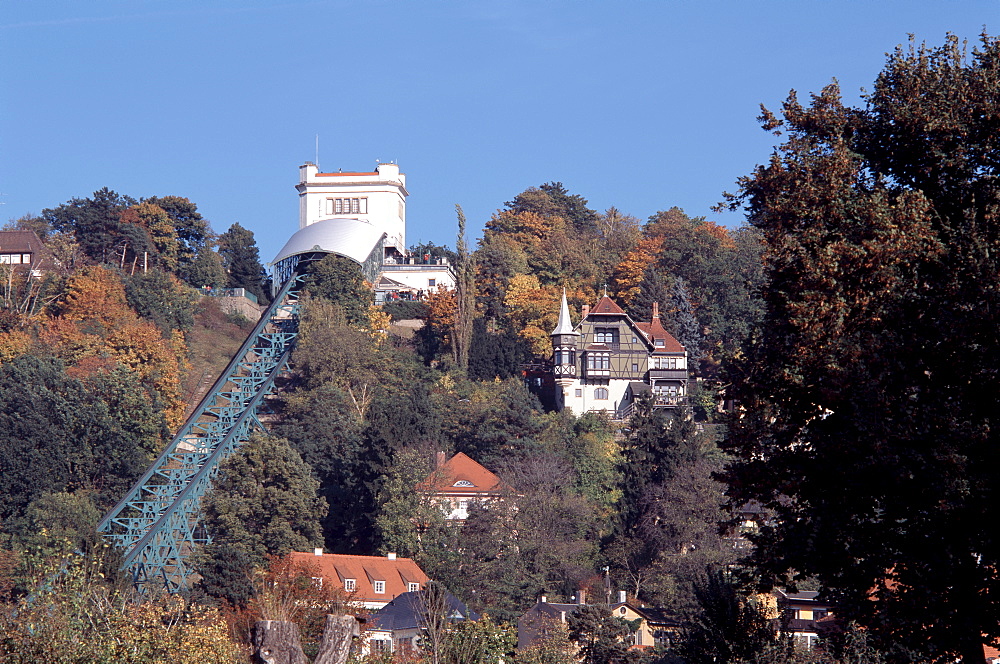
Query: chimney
{"type": "Point", "coordinates": [581, 597]}
{"type": "Point", "coordinates": [656, 310]}
{"type": "Point", "coordinates": [585, 311]}
{"type": "Point", "coordinates": [317, 552]}
{"type": "Point", "coordinates": [439, 459]}
{"type": "Point", "coordinates": [544, 600]}
{"type": "Point", "coordinates": [621, 597]}
{"type": "Point", "coordinates": [391, 556]}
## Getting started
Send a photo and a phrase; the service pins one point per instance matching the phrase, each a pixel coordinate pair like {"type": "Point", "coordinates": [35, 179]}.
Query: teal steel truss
{"type": "Point", "coordinates": [157, 525]}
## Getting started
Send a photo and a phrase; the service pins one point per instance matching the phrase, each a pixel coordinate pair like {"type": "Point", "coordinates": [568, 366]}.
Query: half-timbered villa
{"type": "Point", "coordinates": [607, 361]}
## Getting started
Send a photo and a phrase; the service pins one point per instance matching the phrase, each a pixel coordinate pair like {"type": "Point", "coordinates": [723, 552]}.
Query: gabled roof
{"type": "Point", "coordinates": [607, 307]}
{"type": "Point", "coordinates": [654, 330]}
{"type": "Point", "coordinates": [335, 568]}
{"type": "Point", "coordinates": [406, 612]}
{"type": "Point", "coordinates": [461, 474]}
{"type": "Point", "coordinates": [27, 242]}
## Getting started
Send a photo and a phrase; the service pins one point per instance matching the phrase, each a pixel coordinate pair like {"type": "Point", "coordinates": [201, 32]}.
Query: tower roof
{"type": "Point", "coordinates": [565, 325]}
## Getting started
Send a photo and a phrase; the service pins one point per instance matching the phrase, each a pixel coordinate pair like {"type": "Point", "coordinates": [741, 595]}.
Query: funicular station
{"type": "Point", "coordinates": [359, 215]}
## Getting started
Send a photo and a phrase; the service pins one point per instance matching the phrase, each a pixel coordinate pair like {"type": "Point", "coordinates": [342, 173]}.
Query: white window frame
{"type": "Point", "coordinates": [350, 585]}
{"type": "Point", "coordinates": [379, 587]}
{"type": "Point", "coordinates": [413, 587]}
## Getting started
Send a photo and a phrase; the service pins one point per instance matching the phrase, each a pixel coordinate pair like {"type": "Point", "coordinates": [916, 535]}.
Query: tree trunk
{"type": "Point", "coordinates": [338, 635]}
{"type": "Point", "coordinates": [277, 642]}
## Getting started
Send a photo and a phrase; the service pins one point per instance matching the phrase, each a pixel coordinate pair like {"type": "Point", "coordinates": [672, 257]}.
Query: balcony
{"type": "Point", "coordinates": [669, 401]}
{"type": "Point", "coordinates": [668, 374]}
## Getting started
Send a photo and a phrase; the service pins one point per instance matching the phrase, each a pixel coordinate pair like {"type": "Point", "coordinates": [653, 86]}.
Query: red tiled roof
{"type": "Point", "coordinates": [607, 307]}
{"type": "Point", "coordinates": [334, 175]}
{"type": "Point", "coordinates": [335, 568]}
{"type": "Point", "coordinates": [461, 469]}
{"type": "Point", "coordinates": [654, 330]}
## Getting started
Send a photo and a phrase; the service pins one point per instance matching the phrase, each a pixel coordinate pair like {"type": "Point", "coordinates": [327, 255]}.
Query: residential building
{"type": "Point", "coordinates": [362, 216]}
{"type": "Point", "coordinates": [400, 624]}
{"type": "Point", "coordinates": [607, 361]}
{"type": "Point", "coordinates": [656, 626]}
{"type": "Point", "coordinates": [458, 483]}
{"type": "Point", "coordinates": [24, 250]}
{"type": "Point", "coordinates": [804, 616]}
{"type": "Point", "coordinates": [372, 581]}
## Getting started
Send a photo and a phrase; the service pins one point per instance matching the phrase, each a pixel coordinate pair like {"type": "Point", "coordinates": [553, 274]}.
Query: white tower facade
{"type": "Point", "coordinates": [377, 198]}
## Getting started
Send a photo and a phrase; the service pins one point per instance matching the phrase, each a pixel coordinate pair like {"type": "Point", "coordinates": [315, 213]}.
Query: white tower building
{"type": "Point", "coordinates": [377, 198]}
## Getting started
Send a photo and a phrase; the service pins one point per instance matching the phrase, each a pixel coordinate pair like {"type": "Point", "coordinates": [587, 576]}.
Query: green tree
{"type": "Point", "coordinates": [160, 298]}
{"type": "Point", "coordinates": [553, 200]}
{"type": "Point", "coordinates": [59, 433]}
{"type": "Point", "coordinates": [681, 319]}
{"type": "Point", "coordinates": [241, 259]}
{"type": "Point", "coordinates": [600, 635]}
{"type": "Point", "coordinates": [482, 641]}
{"type": "Point", "coordinates": [96, 222]}
{"type": "Point", "coordinates": [263, 502]}
{"type": "Point", "coordinates": [205, 269]}
{"type": "Point", "coordinates": [728, 627]}
{"type": "Point", "coordinates": [339, 281]}
{"type": "Point", "coordinates": [190, 228]}
{"type": "Point", "coordinates": [867, 408]}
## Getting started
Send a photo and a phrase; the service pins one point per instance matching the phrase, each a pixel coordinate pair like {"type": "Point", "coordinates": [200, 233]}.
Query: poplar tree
{"type": "Point", "coordinates": [466, 296]}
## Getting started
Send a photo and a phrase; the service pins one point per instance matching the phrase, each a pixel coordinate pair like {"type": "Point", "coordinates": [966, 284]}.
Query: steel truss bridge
{"type": "Point", "coordinates": [157, 525]}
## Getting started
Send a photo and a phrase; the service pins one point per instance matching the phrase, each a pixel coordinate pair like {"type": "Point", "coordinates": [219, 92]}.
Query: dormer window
{"type": "Point", "coordinates": [465, 484]}
{"type": "Point", "coordinates": [412, 587]}
{"type": "Point", "coordinates": [350, 585]}
{"type": "Point", "coordinates": [379, 587]}
{"type": "Point", "coordinates": [658, 342]}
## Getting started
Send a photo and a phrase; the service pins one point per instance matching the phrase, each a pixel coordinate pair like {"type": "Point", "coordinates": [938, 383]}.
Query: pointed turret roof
{"type": "Point", "coordinates": [565, 325]}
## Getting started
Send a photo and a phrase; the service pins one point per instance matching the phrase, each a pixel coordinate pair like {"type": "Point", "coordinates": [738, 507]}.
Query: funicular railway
{"type": "Point", "coordinates": [157, 525]}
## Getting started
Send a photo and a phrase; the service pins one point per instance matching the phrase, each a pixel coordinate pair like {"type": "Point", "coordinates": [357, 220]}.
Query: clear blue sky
{"type": "Point", "coordinates": [642, 104]}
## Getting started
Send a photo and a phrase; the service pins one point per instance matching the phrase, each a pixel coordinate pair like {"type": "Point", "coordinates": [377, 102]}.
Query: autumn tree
{"type": "Point", "coordinates": [465, 295]}
{"type": "Point", "coordinates": [866, 406]}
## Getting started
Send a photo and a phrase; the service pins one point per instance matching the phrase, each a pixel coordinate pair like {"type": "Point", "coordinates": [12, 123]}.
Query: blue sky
{"type": "Point", "coordinates": [642, 105]}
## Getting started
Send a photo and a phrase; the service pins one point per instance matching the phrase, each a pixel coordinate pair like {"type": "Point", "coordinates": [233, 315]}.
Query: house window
{"type": "Point", "coordinates": [634, 340]}
{"type": "Point", "coordinates": [605, 335]}
{"type": "Point", "coordinates": [350, 585]}
{"type": "Point", "coordinates": [579, 393]}
{"type": "Point", "coordinates": [658, 342]}
{"type": "Point", "coordinates": [329, 206]}
{"type": "Point", "coordinates": [464, 483]}
{"type": "Point", "coordinates": [601, 393]}
{"type": "Point", "coordinates": [381, 645]}
{"type": "Point", "coordinates": [598, 361]}
{"type": "Point", "coordinates": [635, 368]}
{"type": "Point", "coordinates": [463, 504]}
{"type": "Point", "coordinates": [379, 587]}
{"type": "Point", "coordinates": [413, 587]}
{"type": "Point", "coordinates": [431, 283]}
{"type": "Point", "coordinates": [317, 581]}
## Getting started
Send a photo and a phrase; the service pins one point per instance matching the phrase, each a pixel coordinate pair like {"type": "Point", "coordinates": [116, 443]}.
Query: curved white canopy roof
{"type": "Point", "coordinates": [347, 237]}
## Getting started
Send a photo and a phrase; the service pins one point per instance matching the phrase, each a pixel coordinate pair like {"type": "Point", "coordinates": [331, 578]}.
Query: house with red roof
{"type": "Point", "coordinates": [460, 482]}
{"type": "Point", "coordinates": [607, 361]}
{"type": "Point", "coordinates": [372, 581]}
